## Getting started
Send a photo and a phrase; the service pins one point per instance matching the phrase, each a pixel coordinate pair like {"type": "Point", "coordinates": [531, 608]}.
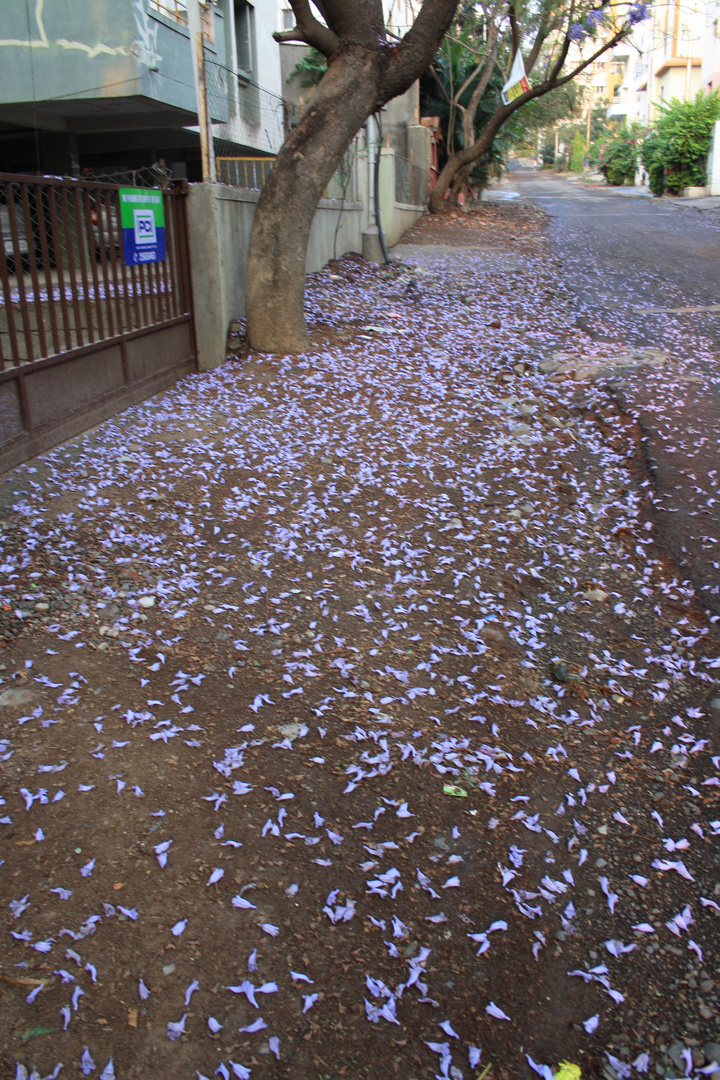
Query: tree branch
{"type": "Point", "coordinates": [540, 37]}
{"type": "Point", "coordinates": [552, 82]}
{"type": "Point", "coordinates": [357, 23]}
{"type": "Point", "coordinates": [469, 117]}
{"type": "Point", "coordinates": [439, 81]}
{"type": "Point", "coordinates": [291, 35]}
{"type": "Point", "coordinates": [615, 40]}
{"type": "Point", "coordinates": [487, 58]}
{"type": "Point", "coordinates": [503, 112]}
{"type": "Point", "coordinates": [310, 30]}
{"type": "Point", "coordinates": [514, 36]}
{"type": "Point", "coordinates": [410, 58]}
{"type": "Point", "coordinates": [559, 63]}
{"type": "Point", "coordinates": [555, 66]}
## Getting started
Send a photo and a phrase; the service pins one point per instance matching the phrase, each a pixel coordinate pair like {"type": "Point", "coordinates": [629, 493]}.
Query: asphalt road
{"type": "Point", "coordinates": [622, 255]}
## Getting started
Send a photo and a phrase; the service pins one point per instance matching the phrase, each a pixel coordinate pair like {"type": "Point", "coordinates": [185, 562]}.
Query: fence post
{"type": "Point", "coordinates": [197, 47]}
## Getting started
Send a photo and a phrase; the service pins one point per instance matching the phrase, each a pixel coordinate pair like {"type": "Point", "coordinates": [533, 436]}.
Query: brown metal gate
{"type": "Point", "coordinates": [82, 335]}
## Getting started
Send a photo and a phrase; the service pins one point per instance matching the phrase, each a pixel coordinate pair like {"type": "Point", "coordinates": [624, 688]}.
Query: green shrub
{"type": "Point", "coordinates": [548, 153]}
{"type": "Point", "coordinates": [656, 182]}
{"type": "Point", "coordinates": [618, 158]}
{"type": "Point", "coordinates": [488, 167]}
{"type": "Point", "coordinates": [311, 68]}
{"type": "Point", "coordinates": [577, 157]}
{"type": "Point", "coordinates": [677, 148]}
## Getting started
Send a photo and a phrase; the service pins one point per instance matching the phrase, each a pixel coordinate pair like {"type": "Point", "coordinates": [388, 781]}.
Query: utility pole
{"type": "Point", "coordinates": [198, 54]}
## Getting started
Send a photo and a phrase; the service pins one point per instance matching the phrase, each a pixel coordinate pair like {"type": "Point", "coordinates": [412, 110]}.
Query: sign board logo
{"type": "Point", "coordinates": [142, 219]}
{"type": "Point", "coordinates": [144, 227]}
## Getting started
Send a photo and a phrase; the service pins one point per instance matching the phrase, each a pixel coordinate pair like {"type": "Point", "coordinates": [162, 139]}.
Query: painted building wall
{"type": "Point", "coordinates": [673, 54]}
{"type": "Point", "coordinates": [170, 78]}
{"type": "Point", "coordinates": [252, 84]}
{"type": "Point", "coordinates": [681, 82]}
{"type": "Point", "coordinates": [135, 55]}
{"type": "Point", "coordinates": [710, 73]}
{"type": "Point", "coordinates": [678, 33]}
{"type": "Point", "coordinates": [96, 49]}
{"type": "Point", "coordinates": [56, 47]}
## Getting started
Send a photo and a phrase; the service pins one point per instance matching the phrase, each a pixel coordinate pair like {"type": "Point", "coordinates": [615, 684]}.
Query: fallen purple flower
{"type": "Point", "coordinates": [176, 1028]}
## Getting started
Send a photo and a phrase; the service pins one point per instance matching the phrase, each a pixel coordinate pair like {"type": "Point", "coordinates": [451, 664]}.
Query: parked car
{"type": "Point", "coordinates": [11, 252]}
{"type": "Point", "coordinates": [105, 242]}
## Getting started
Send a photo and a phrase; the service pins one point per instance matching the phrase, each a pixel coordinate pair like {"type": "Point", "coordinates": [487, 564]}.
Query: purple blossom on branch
{"type": "Point", "coordinates": [638, 12]}
{"type": "Point", "coordinates": [594, 18]}
{"type": "Point", "coordinates": [576, 32]}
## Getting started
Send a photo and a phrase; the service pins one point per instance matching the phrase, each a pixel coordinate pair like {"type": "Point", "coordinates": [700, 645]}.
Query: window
{"type": "Point", "coordinates": [288, 19]}
{"type": "Point", "coordinates": [244, 34]}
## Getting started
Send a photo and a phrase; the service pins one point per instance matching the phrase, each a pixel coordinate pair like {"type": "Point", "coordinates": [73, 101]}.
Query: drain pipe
{"type": "Point", "coordinates": [378, 221]}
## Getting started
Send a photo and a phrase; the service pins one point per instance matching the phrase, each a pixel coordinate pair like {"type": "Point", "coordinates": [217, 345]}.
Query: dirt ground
{"type": "Point", "coordinates": [352, 721]}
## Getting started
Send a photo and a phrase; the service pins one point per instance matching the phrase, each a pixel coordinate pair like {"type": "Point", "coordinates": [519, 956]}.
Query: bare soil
{"type": "Point", "coordinates": [372, 648]}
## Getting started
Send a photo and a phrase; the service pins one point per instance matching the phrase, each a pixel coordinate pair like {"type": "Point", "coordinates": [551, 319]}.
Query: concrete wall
{"type": "Point", "coordinates": [398, 115]}
{"type": "Point", "coordinates": [420, 143]}
{"type": "Point", "coordinates": [220, 219]}
{"type": "Point", "coordinates": [712, 186]}
{"type": "Point", "coordinates": [396, 218]}
{"type": "Point", "coordinates": [387, 195]}
{"type": "Point", "coordinates": [404, 217]}
{"type": "Point", "coordinates": [335, 230]}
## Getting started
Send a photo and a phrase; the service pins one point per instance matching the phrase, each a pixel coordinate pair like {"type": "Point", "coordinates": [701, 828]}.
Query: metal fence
{"type": "Point", "coordinates": [252, 172]}
{"type": "Point", "coordinates": [247, 172]}
{"type": "Point", "coordinates": [411, 182]}
{"type": "Point", "coordinates": [155, 175]}
{"type": "Point", "coordinates": [243, 113]}
{"type": "Point", "coordinates": [63, 282]}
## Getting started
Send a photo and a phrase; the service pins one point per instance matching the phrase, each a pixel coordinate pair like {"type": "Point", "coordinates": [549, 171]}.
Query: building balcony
{"type": "Point", "coordinates": [71, 68]}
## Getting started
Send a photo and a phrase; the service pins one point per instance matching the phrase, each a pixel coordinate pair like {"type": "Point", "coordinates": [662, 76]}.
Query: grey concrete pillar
{"type": "Point", "coordinates": [371, 249]}
{"type": "Point", "coordinates": [211, 323]}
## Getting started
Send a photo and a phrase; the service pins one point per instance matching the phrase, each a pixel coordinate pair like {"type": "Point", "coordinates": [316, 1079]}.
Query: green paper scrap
{"type": "Point", "coordinates": [32, 1033]}
{"type": "Point", "coordinates": [453, 789]}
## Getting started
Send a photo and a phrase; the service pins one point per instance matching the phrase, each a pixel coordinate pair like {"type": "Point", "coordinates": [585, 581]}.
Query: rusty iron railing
{"type": "Point", "coordinates": [63, 282]}
{"type": "Point", "coordinates": [246, 172]}
{"type": "Point", "coordinates": [176, 10]}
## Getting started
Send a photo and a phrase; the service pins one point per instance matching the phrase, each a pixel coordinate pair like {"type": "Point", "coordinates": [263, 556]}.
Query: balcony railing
{"type": "Point", "coordinates": [176, 10]}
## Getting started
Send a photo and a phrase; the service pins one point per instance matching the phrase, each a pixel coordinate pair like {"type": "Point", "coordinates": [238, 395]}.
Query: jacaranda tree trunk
{"type": "Point", "coordinates": [365, 70]}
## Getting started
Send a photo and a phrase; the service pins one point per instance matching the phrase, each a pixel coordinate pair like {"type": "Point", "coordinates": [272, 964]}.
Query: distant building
{"type": "Point", "coordinates": [673, 54]}
{"type": "Point", "coordinates": [710, 70]}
